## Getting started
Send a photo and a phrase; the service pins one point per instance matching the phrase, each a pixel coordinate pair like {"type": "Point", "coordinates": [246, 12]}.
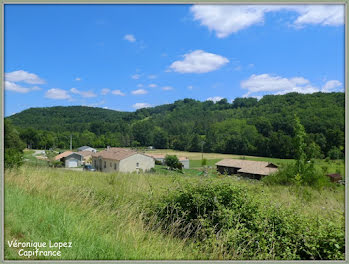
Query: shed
{"type": "Point", "coordinates": [335, 177]}
{"type": "Point", "coordinates": [73, 160]}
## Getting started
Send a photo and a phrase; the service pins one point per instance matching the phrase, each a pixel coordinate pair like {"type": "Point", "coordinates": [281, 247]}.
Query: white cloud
{"type": "Point", "coordinates": [77, 79]}
{"type": "Point", "coordinates": [167, 88]}
{"type": "Point", "coordinates": [58, 94]}
{"type": "Point", "coordinates": [228, 19]}
{"type": "Point", "coordinates": [23, 76]}
{"type": "Point", "coordinates": [332, 86]}
{"type": "Point", "coordinates": [190, 87]}
{"type": "Point", "coordinates": [14, 87]}
{"type": "Point", "coordinates": [117, 92]}
{"type": "Point", "coordinates": [266, 83]}
{"type": "Point", "coordinates": [87, 94]}
{"type": "Point", "coordinates": [139, 91]}
{"type": "Point", "coordinates": [153, 85]}
{"type": "Point", "coordinates": [136, 76]}
{"type": "Point", "coordinates": [11, 86]}
{"type": "Point", "coordinates": [130, 38]}
{"type": "Point", "coordinates": [215, 99]}
{"type": "Point", "coordinates": [199, 61]}
{"type": "Point", "coordinates": [141, 105]}
{"type": "Point", "coordinates": [105, 91]}
{"type": "Point", "coordinates": [152, 76]}
{"type": "Point", "coordinates": [140, 85]}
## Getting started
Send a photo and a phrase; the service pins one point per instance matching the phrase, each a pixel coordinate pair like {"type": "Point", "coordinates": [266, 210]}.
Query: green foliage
{"type": "Point", "coordinates": [13, 147]}
{"type": "Point", "coordinates": [173, 162]}
{"type": "Point", "coordinates": [203, 162]}
{"type": "Point", "coordinates": [335, 153]}
{"type": "Point", "coordinates": [226, 218]}
{"type": "Point", "coordinates": [263, 128]}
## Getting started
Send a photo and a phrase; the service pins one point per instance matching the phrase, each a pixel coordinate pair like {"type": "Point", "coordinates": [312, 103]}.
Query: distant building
{"type": "Point", "coordinates": [249, 168]}
{"type": "Point", "coordinates": [335, 177]}
{"type": "Point", "coordinates": [161, 158]}
{"type": "Point", "coordinates": [121, 160]}
{"type": "Point", "coordinates": [87, 156]}
{"type": "Point", "coordinates": [86, 148]}
{"type": "Point", "coordinates": [70, 159]}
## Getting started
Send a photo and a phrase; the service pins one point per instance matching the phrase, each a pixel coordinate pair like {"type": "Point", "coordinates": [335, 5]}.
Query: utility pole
{"type": "Point", "coordinates": [71, 142]}
{"type": "Point", "coordinates": [202, 149]}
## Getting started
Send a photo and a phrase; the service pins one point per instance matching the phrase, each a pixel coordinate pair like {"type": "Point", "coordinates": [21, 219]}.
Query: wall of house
{"type": "Point", "coordinates": [185, 163]}
{"type": "Point", "coordinates": [227, 170]}
{"type": "Point", "coordinates": [105, 165]}
{"type": "Point", "coordinates": [129, 164]}
{"type": "Point", "coordinates": [67, 162]}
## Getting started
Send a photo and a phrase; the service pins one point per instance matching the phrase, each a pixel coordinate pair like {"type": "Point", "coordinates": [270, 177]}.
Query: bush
{"type": "Point", "coordinates": [203, 162]}
{"type": "Point", "coordinates": [13, 158]}
{"type": "Point", "coordinates": [335, 153]}
{"type": "Point", "coordinates": [173, 162]}
{"type": "Point", "coordinates": [226, 219]}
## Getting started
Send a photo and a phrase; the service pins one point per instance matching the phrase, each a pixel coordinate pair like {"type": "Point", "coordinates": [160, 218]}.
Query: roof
{"type": "Point", "coordinates": [162, 156]}
{"type": "Point", "coordinates": [114, 153]}
{"type": "Point", "coordinates": [83, 148]}
{"type": "Point", "coordinates": [249, 166]}
{"type": "Point", "coordinates": [85, 153]}
{"type": "Point", "coordinates": [63, 155]}
{"type": "Point", "coordinates": [74, 153]}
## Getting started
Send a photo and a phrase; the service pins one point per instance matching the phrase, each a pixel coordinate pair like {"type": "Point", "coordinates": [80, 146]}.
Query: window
{"type": "Point", "coordinates": [105, 164]}
{"type": "Point", "coordinates": [110, 164]}
{"type": "Point", "coordinates": [137, 164]}
{"type": "Point", "coordinates": [115, 167]}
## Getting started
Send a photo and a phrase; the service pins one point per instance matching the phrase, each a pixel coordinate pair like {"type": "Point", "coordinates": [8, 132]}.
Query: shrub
{"type": "Point", "coordinates": [334, 153]}
{"type": "Point", "coordinates": [203, 162]}
{"type": "Point", "coordinates": [224, 218]}
{"type": "Point", "coordinates": [173, 162]}
{"type": "Point", "coordinates": [13, 158]}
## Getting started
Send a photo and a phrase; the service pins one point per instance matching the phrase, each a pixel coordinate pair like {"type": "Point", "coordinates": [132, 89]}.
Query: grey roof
{"type": "Point", "coordinates": [83, 148]}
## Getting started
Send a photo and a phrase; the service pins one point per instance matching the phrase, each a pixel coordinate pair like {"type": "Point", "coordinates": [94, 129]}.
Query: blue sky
{"type": "Point", "coordinates": [125, 57]}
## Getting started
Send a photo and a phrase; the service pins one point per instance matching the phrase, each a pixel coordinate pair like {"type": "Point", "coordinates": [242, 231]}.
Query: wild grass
{"type": "Point", "coordinates": [102, 214]}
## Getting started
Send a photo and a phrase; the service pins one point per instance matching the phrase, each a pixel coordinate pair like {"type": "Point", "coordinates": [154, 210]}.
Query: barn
{"type": "Point", "coordinates": [122, 160]}
{"type": "Point", "coordinates": [249, 168]}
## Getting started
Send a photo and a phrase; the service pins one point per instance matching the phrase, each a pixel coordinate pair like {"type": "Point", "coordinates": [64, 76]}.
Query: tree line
{"type": "Point", "coordinates": [246, 126]}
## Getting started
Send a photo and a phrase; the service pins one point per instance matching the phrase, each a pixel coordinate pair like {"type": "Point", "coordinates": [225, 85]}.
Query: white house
{"type": "Point", "coordinates": [87, 148]}
{"type": "Point", "coordinates": [121, 160]}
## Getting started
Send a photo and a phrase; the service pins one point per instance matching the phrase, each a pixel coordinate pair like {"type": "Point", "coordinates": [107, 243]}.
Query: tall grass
{"type": "Point", "coordinates": [102, 214]}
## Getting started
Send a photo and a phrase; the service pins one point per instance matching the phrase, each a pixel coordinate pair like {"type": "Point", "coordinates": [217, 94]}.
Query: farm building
{"type": "Point", "coordinates": [87, 148]}
{"type": "Point", "coordinates": [70, 159]}
{"type": "Point", "coordinates": [161, 158]}
{"type": "Point", "coordinates": [249, 168]}
{"type": "Point", "coordinates": [122, 160]}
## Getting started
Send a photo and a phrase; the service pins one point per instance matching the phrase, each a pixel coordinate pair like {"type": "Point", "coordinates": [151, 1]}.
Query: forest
{"type": "Point", "coordinates": [246, 126]}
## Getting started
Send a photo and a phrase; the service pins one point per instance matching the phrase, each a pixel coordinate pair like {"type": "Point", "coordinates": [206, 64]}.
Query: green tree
{"type": "Point", "coordinates": [173, 162]}
{"type": "Point", "coordinates": [13, 146]}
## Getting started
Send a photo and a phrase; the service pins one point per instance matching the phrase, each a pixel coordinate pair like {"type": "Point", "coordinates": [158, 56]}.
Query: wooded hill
{"type": "Point", "coordinates": [246, 126]}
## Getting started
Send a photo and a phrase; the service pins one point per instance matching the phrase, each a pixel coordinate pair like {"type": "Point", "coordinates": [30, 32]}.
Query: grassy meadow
{"type": "Point", "coordinates": [103, 214]}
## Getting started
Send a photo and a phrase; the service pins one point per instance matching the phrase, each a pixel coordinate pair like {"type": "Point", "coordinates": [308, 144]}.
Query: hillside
{"type": "Point", "coordinates": [245, 126]}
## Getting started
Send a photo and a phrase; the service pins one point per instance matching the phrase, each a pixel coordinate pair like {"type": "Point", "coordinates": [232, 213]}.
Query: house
{"type": "Point", "coordinates": [335, 177]}
{"type": "Point", "coordinates": [249, 168]}
{"type": "Point", "coordinates": [86, 148]}
{"type": "Point", "coordinates": [87, 156]}
{"type": "Point", "coordinates": [161, 158]}
{"type": "Point", "coordinates": [70, 159]}
{"type": "Point", "coordinates": [121, 160]}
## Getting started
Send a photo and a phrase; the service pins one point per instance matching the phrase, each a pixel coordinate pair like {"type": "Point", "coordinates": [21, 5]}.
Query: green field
{"type": "Point", "coordinates": [102, 213]}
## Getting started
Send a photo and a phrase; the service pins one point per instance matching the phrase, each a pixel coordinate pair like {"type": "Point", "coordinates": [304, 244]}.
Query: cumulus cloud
{"type": "Point", "coordinates": [153, 85]}
{"type": "Point", "coordinates": [105, 91]}
{"type": "Point", "coordinates": [139, 91]}
{"type": "Point", "coordinates": [117, 92]}
{"type": "Point", "coordinates": [332, 86]}
{"type": "Point", "coordinates": [11, 86]}
{"type": "Point", "coordinates": [152, 76]}
{"type": "Point", "coordinates": [23, 76]}
{"type": "Point", "coordinates": [140, 85]}
{"type": "Point", "coordinates": [77, 79]}
{"type": "Point", "coordinates": [227, 19]}
{"type": "Point", "coordinates": [130, 38]}
{"type": "Point", "coordinates": [136, 76]}
{"type": "Point", "coordinates": [266, 83]}
{"type": "Point", "coordinates": [141, 105]}
{"type": "Point", "coordinates": [199, 61]}
{"type": "Point", "coordinates": [87, 94]}
{"type": "Point", "coordinates": [190, 87]}
{"type": "Point", "coordinates": [58, 94]}
{"type": "Point", "coordinates": [167, 88]}
{"type": "Point", "coordinates": [214, 99]}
